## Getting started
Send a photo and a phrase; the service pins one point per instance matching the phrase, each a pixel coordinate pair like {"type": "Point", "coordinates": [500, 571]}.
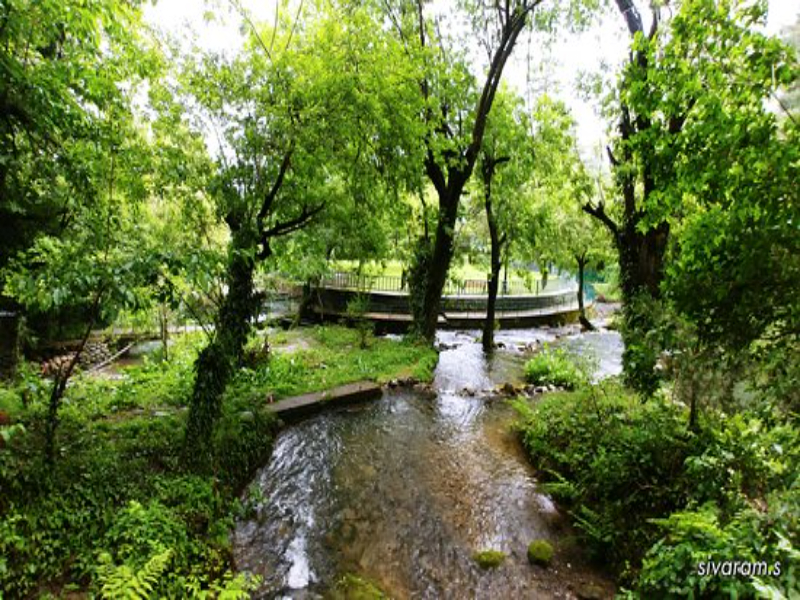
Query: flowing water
{"type": "Point", "coordinates": [404, 490]}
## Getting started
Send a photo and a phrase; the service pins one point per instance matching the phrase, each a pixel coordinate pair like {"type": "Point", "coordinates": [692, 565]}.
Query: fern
{"type": "Point", "coordinates": [121, 581]}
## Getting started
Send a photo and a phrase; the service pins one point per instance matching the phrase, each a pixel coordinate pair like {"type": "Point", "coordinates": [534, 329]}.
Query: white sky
{"type": "Point", "coordinates": [558, 69]}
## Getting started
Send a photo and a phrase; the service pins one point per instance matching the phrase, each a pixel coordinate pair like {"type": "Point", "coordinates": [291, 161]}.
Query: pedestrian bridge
{"type": "Point", "coordinates": [463, 304]}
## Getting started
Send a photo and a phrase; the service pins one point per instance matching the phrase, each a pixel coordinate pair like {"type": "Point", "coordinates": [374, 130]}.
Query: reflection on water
{"type": "Point", "coordinates": [405, 490]}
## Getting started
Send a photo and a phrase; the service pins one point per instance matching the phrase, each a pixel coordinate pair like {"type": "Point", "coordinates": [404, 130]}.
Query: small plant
{"type": "Point", "coordinates": [357, 309]}
{"type": "Point", "coordinates": [122, 581]}
{"type": "Point", "coordinates": [489, 559]}
{"type": "Point", "coordinates": [540, 552]}
{"type": "Point", "coordinates": [553, 367]}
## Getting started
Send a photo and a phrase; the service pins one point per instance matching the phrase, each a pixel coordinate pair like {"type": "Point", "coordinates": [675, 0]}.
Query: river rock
{"type": "Point", "coordinates": [540, 552]}
{"type": "Point", "coordinates": [94, 353]}
{"type": "Point", "coordinates": [589, 590]}
{"type": "Point", "coordinates": [507, 389]}
{"type": "Point", "coordinates": [468, 391]}
{"type": "Point", "coordinates": [425, 390]}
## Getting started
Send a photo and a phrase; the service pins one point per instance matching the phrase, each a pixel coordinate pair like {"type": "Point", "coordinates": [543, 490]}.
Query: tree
{"type": "Point", "coordinates": [60, 63]}
{"type": "Point", "coordinates": [572, 241]}
{"type": "Point", "coordinates": [96, 262]}
{"type": "Point", "coordinates": [565, 236]}
{"type": "Point", "coordinates": [691, 100]}
{"type": "Point", "coordinates": [505, 163]}
{"type": "Point", "coordinates": [455, 115]}
{"type": "Point", "coordinates": [303, 127]}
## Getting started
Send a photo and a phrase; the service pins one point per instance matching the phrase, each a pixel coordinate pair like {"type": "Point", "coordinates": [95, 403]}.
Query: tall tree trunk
{"type": "Point", "coordinates": [218, 361]}
{"type": "Point", "coordinates": [439, 263]}
{"type": "Point", "coordinates": [641, 254]}
{"type": "Point", "coordinates": [61, 380]}
{"type": "Point", "coordinates": [581, 260]}
{"type": "Point", "coordinates": [494, 282]}
{"type": "Point", "coordinates": [488, 167]}
{"type": "Point", "coordinates": [451, 175]}
{"type": "Point", "coordinates": [163, 321]}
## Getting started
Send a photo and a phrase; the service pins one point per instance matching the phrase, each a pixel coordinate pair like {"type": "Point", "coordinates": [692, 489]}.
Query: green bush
{"type": "Point", "coordinates": [653, 497]}
{"type": "Point", "coordinates": [116, 514]}
{"type": "Point", "coordinates": [677, 565]}
{"type": "Point", "coordinates": [553, 367]}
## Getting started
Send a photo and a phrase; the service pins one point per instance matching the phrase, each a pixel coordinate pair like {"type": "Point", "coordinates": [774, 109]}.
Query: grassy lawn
{"type": "Point", "coordinates": [317, 358]}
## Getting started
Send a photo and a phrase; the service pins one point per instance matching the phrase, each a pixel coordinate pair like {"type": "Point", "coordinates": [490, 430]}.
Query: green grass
{"type": "Point", "coordinates": [327, 357]}
{"type": "Point", "coordinates": [610, 291]}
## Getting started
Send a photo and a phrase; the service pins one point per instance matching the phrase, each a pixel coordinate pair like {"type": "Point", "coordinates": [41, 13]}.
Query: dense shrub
{"type": "Point", "coordinates": [656, 499]}
{"type": "Point", "coordinates": [553, 367]}
{"type": "Point", "coordinates": [116, 514]}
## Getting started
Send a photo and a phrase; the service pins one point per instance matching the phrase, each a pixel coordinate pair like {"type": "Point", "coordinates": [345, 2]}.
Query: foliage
{"type": "Point", "coordinates": [62, 67]}
{"type": "Point", "coordinates": [123, 582]}
{"type": "Point", "coordinates": [706, 175]}
{"type": "Point", "coordinates": [695, 538]}
{"type": "Point", "coordinates": [354, 587]}
{"type": "Point", "coordinates": [357, 308]}
{"type": "Point", "coordinates": [656, 498]}
{"type": "Point", "coordinates": [554, 367]}
{"type": "Point", "coordinates": [117, 498]}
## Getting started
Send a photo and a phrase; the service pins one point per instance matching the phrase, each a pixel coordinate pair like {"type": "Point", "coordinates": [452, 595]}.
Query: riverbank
{"type": "Point", "coordinates": [657, 499]}
{"type": "Point", "coordinates": [117, 509]}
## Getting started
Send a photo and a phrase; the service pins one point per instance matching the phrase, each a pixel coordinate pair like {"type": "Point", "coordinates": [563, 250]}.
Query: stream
{"type": "Point", "coordinates": [403, 491]}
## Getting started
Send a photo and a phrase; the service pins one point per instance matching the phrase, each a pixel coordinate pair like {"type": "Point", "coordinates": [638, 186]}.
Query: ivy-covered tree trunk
{"type": "Point", "coordinates": [218, 361]}
{"type": "Point", "coordinates": [641, 253]}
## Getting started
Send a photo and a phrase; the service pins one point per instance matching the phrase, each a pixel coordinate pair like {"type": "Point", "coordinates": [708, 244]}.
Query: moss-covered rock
{"type": "Point", "coordinates": [540, 552]}
{"type": "Point", "coordinates": [489, 559]}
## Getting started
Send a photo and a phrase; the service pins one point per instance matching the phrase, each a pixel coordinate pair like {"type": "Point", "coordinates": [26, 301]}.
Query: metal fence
{"type": "Point", "coordinates": [466, 287]}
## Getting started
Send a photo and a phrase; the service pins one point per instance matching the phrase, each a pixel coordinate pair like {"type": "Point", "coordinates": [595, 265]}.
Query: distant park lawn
{"type": "Point", "coordinates": [394, 268]}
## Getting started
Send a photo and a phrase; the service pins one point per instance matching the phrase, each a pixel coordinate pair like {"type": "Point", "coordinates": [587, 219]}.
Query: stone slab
{"type": "Point", "coordinates": [297, 407]}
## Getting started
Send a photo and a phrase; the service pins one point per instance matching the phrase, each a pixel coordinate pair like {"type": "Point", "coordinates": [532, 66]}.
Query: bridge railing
{"type": "Point", "coordinates": [466, 287]}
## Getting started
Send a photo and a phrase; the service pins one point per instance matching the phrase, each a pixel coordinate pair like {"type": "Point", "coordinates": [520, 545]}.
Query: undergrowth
{"type": "Point", "coordinates": [656, 499]}
{"type": "Point", "coordinates": [117, 515]}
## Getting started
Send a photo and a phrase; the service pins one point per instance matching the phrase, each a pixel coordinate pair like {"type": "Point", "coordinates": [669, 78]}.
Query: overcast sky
{"type": "Point", "coordinates": [555, 69]}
